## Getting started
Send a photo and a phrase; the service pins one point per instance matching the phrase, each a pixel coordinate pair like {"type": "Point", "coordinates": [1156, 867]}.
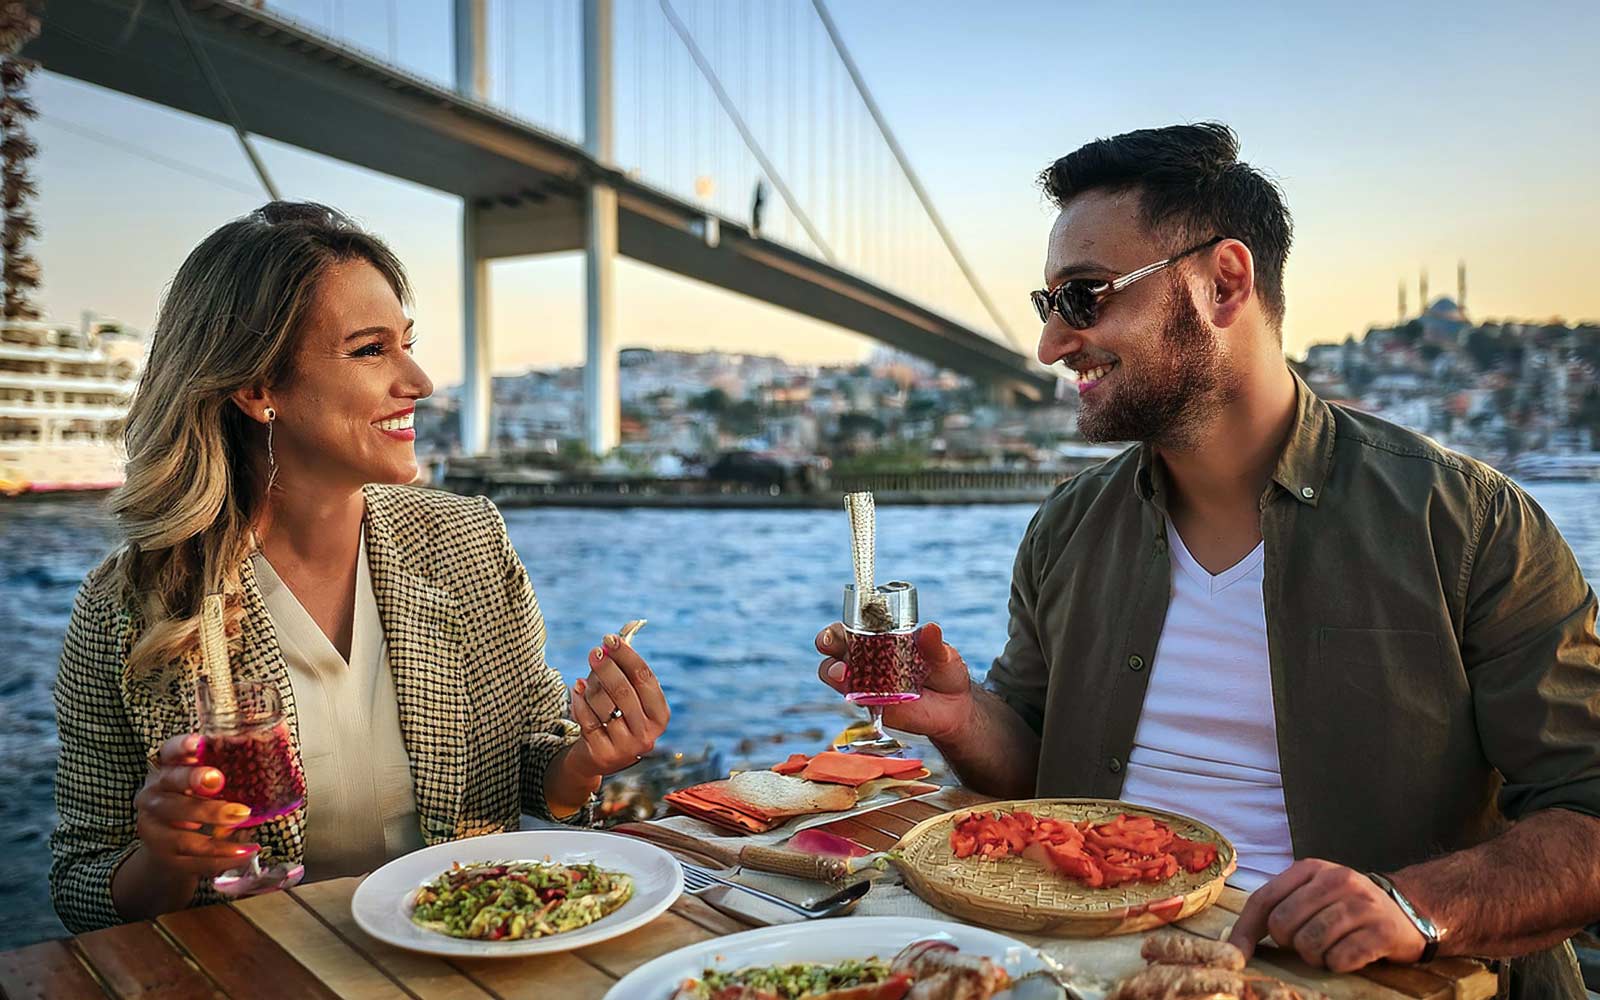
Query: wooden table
{"type": "Point", "coordinates": [304, 943]}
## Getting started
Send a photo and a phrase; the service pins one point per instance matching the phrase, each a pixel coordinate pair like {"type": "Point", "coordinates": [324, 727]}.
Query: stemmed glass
{"type": "Point", "coordinates": [883, 665]}
{"type": "Point", "coordinates": [248, 740]}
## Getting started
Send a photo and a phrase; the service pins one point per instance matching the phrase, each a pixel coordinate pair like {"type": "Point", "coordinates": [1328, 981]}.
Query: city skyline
{"type": "Point", "coordinates": [1413, 141]}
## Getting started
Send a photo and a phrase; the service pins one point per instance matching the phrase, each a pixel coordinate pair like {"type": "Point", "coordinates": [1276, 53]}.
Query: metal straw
{"type": "Point", "coordinates": [214, 655]}
{"type": "Point", "coordinates": [864, 554]}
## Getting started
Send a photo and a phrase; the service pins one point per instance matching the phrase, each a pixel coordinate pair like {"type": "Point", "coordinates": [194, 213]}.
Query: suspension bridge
{"type": "Point", "coordinates": [734, 143]}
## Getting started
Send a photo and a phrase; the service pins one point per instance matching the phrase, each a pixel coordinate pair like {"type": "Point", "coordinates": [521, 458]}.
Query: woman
{"type": "Point", "coordinates": [398, 625]}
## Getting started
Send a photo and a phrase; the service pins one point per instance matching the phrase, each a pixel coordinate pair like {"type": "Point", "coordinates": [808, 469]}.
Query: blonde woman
{"type": "Point", "coordinates": [267, 445]}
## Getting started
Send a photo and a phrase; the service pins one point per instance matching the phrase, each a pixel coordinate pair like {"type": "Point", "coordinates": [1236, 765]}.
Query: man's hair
{"type": "Point", "coordinates": [1192, 185]}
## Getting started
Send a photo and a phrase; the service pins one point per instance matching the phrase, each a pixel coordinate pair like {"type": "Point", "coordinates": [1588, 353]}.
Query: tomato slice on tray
{"type": "Point", "coordinates": [1119, 851]}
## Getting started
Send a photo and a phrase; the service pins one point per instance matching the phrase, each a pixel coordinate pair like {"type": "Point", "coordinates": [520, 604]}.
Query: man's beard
{"type": "Point", "coordinates": [1168, 392]}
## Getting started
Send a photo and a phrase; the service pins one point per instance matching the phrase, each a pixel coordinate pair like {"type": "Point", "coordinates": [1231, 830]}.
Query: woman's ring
{"type": "Point", "coordinates": [616, 713]}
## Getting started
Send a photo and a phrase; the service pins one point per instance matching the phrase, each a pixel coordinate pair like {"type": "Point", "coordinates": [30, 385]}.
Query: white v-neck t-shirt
{"type": "Point", "coordinates": [1207, 741]}
{"type": "Point", "coordinates": [361, 809]}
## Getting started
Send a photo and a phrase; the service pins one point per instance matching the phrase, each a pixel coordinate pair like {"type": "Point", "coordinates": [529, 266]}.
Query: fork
{"type": "Point", "coordinates": [698, 880]}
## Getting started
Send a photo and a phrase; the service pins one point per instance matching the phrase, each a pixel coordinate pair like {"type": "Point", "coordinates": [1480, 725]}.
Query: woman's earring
{"type": "Point", "coordinates": [272, 461]}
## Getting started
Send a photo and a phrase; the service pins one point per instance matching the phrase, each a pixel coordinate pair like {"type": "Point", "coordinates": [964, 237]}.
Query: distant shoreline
{"type": "Point", "coordinates": [783, 501]}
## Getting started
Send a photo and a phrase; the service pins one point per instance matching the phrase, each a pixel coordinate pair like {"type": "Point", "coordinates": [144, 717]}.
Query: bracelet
{"type": "Point", "coordinates": [1430, 931]}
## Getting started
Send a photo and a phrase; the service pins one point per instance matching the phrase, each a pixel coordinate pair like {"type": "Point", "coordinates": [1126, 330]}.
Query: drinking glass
{"type": "Point", "coordinates": [249, 742]}
{"type": "Point", "coordinates": [883, 665]}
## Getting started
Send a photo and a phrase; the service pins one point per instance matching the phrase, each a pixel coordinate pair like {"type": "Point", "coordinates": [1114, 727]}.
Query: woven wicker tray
{"type": "Point", "coordinates": [1021, 895]}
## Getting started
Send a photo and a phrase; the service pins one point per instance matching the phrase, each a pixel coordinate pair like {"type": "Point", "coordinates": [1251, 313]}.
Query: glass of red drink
{"type": "Point", "coordinates": [249, 742]}
{"type": "Point", "coordinates": [882, 663]}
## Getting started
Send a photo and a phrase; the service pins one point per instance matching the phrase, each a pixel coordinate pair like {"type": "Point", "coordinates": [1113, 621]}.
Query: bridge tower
{"type": "Point", "coordinates": [601, 393]}
{"type": "Point", "coordinates": [472, 81]}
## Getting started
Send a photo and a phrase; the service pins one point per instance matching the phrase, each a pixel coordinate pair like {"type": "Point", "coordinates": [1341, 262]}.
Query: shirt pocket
{"type": "Point", "coordinates": [1387, 674]}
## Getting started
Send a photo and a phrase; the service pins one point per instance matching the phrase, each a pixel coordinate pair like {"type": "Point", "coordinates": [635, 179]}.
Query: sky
{"type": "Point", "coordinates": [1405, 137]}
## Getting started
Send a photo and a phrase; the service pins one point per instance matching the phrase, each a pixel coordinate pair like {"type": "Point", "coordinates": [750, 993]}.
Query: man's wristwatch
{"type": "Point", "coordinates": [1431, 932]}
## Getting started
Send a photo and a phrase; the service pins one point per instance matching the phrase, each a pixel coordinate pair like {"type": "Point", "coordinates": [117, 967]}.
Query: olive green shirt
{"type": "Point", "coordinates": [1435, 669]}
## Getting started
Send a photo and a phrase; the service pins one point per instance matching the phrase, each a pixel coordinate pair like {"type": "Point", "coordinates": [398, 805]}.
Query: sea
{"type": "Point", "coordinates": [733, 598]}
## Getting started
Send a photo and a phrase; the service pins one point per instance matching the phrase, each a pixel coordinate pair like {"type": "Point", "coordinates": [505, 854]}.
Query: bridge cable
{"type": "Point", "coordinates": [508, 53]}
{"type": "Point", "coordinates": [215, 83]}
{"type": "Point", "coordinates": [638, 86]}
{"type": "Point", "coordinates": [95, 135]}
{"type": "Point", "coordinates": [812, 132]}
{"type": "Point", "coordinates": [550, 63]}
{"type": "Point", "coordinates": [744, 131]}
{"type": "Point", "coordinates": [911, 176]}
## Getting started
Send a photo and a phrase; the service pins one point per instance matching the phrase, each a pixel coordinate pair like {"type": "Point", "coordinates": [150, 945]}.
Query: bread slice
{"type": "Point", "coordinates": [785, 795]}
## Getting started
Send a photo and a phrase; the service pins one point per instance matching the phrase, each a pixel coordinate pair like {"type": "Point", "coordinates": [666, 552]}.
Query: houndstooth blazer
{"type": "Point", "coordinates": [481, 712]}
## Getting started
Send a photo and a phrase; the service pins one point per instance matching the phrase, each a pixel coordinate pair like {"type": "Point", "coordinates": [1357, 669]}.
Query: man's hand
{"type": "Point", "coordinates": [945, 707]}
{"type": "Point", "coordinates": [1333, 916]}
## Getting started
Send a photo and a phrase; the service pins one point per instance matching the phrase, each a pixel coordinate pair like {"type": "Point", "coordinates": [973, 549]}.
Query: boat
{"type": "Point", "coordinates": [64, 394]}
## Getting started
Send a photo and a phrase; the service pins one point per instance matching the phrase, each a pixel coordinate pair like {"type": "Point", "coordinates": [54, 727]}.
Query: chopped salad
{"type": "Point", "coordinates": [927, 969]}
{"type": "Point", "coordinates": [788, 982]}
{"type": "Point", "coordinates": [513, 900]}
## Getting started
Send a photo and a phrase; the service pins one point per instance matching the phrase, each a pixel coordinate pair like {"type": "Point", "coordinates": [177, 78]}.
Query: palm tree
{"type": "Point", "coordinates": [20, 274]}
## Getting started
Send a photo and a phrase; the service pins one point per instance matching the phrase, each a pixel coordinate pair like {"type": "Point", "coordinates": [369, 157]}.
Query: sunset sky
{"type": "Point", "coordinates": [1406, 137]}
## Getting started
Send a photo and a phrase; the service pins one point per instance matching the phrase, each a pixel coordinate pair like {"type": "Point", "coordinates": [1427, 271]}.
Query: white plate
{"type": "Point", "coordinates": [382, 903]}
{"type": "Point", "coordinates": [817, 941]}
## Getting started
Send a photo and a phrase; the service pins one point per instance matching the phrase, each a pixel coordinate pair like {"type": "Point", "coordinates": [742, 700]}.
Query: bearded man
{"type": "Point", "coordinates": [1368, 660]}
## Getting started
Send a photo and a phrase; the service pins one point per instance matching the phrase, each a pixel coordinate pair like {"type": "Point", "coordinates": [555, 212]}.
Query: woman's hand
{"type": "Point", "coordinates": [182, 826]}
{"type": "Point", "coordinates": [620, 707]}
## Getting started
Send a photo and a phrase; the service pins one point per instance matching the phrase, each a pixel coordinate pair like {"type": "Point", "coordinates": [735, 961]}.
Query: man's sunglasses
{"type": "Point", "coordinates": [1078, 299]}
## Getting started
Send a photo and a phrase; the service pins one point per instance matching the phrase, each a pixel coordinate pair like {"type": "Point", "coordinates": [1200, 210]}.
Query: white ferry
{"type": "Point", "coordinates": [64, 393]}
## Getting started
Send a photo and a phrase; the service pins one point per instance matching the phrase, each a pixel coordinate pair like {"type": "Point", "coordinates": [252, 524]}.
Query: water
{"type": "Point", "coordinates": [734, 600]}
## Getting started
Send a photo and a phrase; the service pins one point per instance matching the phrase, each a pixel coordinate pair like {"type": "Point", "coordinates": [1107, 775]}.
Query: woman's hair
{"type": "Point", "coordinates": [196, 479]}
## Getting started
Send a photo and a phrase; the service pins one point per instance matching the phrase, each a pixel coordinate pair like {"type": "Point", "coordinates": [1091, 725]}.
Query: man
{"type": "Point", "coordinates": [1349, 649]}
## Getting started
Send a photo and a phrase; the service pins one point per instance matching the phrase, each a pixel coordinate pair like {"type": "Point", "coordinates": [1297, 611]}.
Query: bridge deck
{"type": "Point", "coordinates": [298, 87]}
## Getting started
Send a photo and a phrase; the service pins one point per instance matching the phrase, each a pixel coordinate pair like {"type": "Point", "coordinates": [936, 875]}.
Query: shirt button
{"type": "Point", "coordinates": [1114, 765]}
{"type": "Point", "coordinates": [1135, 662]}
{"type": "Point", "coordinates": [1307, 492]}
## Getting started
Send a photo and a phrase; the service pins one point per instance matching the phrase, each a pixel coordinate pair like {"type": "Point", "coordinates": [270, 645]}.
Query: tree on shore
{"type": "Point", "coordinates": [20, 273]}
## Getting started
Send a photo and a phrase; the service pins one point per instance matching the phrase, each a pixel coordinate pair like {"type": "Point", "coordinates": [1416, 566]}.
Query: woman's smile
{"type": "Point", "coordinates": [399, 425]}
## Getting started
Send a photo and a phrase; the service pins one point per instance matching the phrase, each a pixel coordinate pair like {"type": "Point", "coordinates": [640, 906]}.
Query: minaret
{"type": "Point", "coordinates": [1423, 305]}
{"type": "Point", "coordinates": [1461, 286]}
{"type": "Point", "coordinates": [1402, 318]}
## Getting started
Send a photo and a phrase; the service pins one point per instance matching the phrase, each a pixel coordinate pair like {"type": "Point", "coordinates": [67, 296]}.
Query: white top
{"type": "Point", "coordinates": [360, 807]}
{"type": "Point", "coordinates": [1207, 741]}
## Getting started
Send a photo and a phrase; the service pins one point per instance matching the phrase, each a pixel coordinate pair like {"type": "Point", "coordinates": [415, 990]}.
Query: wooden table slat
{"type": "Point", "coordinates": [538, 977]}
{"type": "Point", "coordinates": [915, 810]}
{"type": "Point", "coordinates": [45, 971]}
{"type": "Point", "coordinates": [956, 797]}
{"type": "Point", "coordinates": [241, 959]}
{"type": "Point", "coordinates": [866, 836]}
{"type": "Point", "coordinates": [1472, 979]}
{"type": "Point", "coordinates": [137, 961]}
{"type": "Point", "coordinates": [718, 923]}
{"type": "Point", "coordinates": [621, 955]}
{"type": "Point", "coordinates": [427, 977]}
{"type": "Point", "coordinates": [1408, 980]}
{"type": "Point", "coordinates": [323, 953]}
{"type": "Point", "coordinates": [886, 822]}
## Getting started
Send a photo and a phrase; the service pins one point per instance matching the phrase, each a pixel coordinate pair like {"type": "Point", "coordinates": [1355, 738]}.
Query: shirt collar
{"type": "Point", "coordinates": [1308, 455]}
{"type": "Point", "coordinates": [1302, 467]}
